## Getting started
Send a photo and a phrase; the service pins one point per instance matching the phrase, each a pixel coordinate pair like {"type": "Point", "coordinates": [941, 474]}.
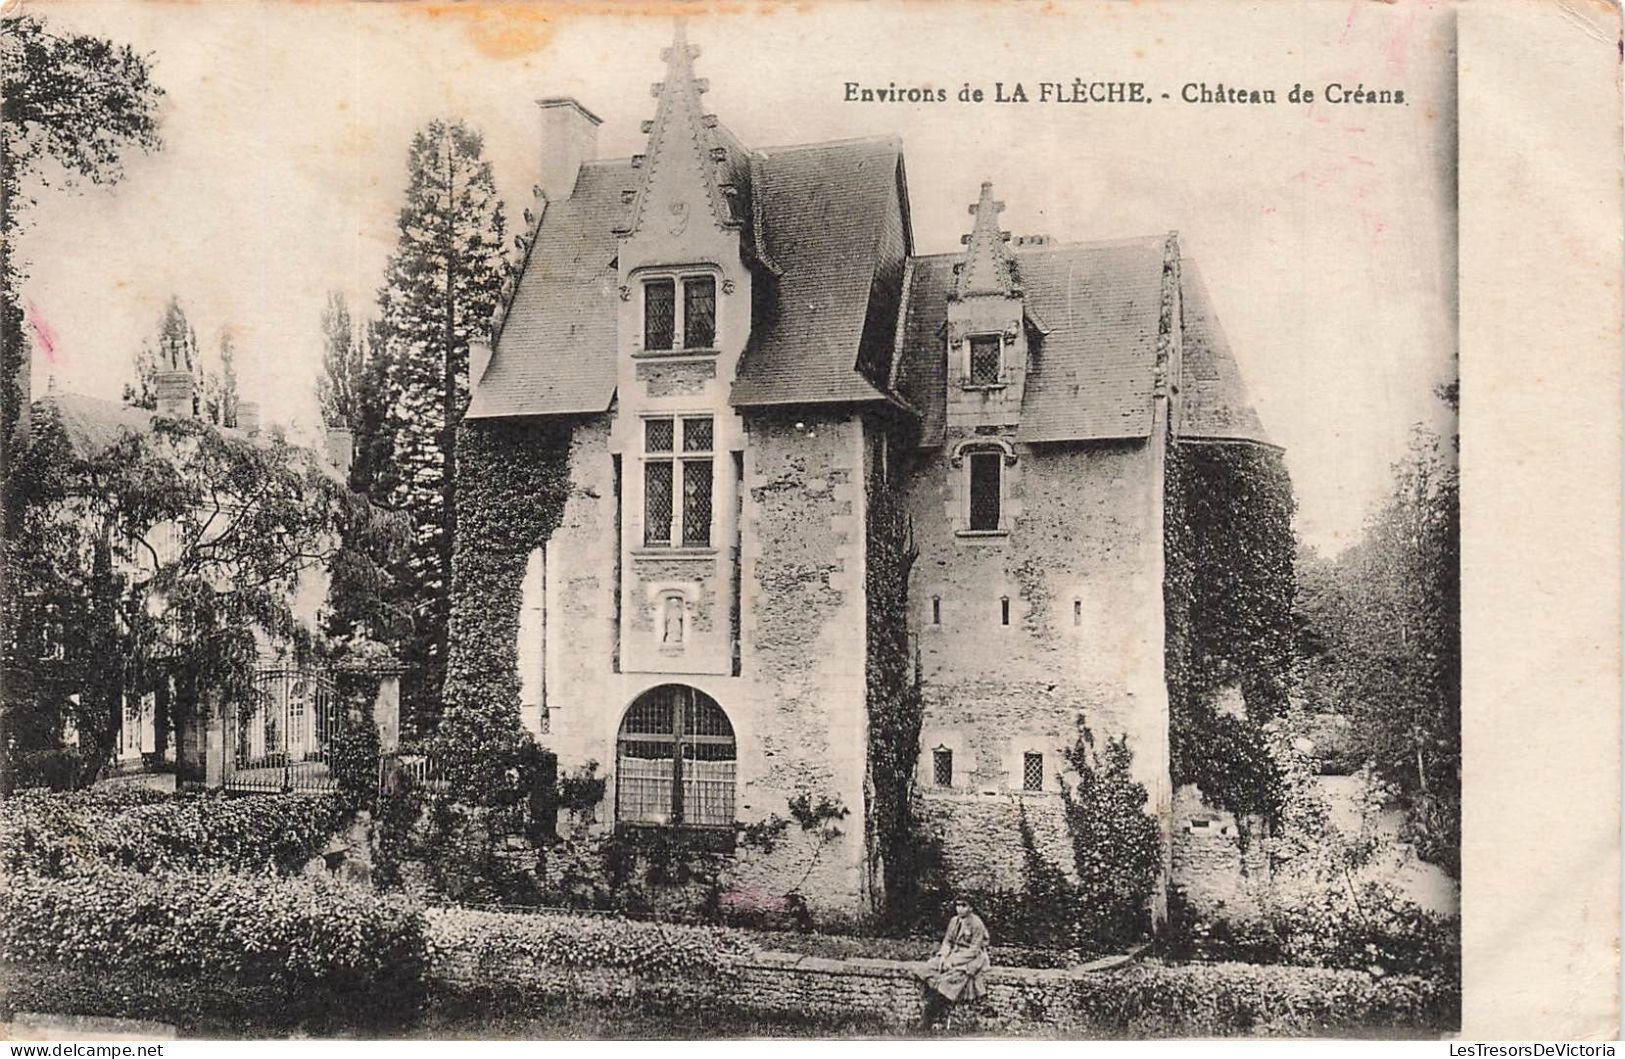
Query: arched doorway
{"type": "Point", "coordinates": [675, 760]}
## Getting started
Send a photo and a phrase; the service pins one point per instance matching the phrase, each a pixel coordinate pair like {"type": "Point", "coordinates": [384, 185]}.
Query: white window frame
{"type": "Point", "coordinates": [679, 279]}
{"type": "Point", "coordinates": [679, 460]}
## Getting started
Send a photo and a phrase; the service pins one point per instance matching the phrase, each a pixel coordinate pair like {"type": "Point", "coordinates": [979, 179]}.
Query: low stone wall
{"type": "Point", "coordinates": [782, 985]}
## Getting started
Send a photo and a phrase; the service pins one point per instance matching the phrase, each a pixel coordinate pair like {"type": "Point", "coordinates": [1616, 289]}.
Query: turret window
{"type": "Point", "coordinates": [699, 312]}
{"type": "Point", "coordinates": [677, 462]}
{"type": "Point", "coordinates": [673, 323]}
{"type": "Point", "coordinates": [659, 313]}
{"type": "Point", "coordinates": [986, 360]}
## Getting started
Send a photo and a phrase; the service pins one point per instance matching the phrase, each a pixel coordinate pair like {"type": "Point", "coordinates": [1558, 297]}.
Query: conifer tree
{"type": "Point", "coordinates": [440, 288]}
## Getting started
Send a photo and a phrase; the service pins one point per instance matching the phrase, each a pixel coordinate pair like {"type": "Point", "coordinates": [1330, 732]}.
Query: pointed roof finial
{"type": "Point", "coordinates": [680, 136]}
{"type": "Point", "coordinates": [987, 267]}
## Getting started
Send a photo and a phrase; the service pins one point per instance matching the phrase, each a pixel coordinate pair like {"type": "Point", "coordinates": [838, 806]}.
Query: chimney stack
{"type": "Point", "coordinates": [479, 358]}
{"type": "Point", "coordinates": [341, 448]}
{"type": "Point", "coordinates": [248, 417]}
{"type": "Point", "coordinates": [569, 137]}
{"type": "Point", "coordinates": [174, 393]}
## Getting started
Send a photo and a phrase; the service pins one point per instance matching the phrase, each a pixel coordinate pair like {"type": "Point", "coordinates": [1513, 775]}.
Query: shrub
{"type": "Point", "coordinates": [1153, 999]}
{"type": "Point", "coordinates": [453, 850]}
{"type": "Point", "coordinates": [56, 770]}
{"type": "Point", "coordinates": [73, 834]}
{"type": "Point", "coordinates": [353, 755]}
{"type": "Point", "coordinates": [315, 938]}
{"type": "Point", "coordinates": [1374, 929]}
{"type": "Point", "coordinates": [582, 942]}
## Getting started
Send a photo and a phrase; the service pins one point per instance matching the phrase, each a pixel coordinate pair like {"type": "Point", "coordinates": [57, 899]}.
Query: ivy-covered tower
{"type": "Point", "coordinates": [766, 404]}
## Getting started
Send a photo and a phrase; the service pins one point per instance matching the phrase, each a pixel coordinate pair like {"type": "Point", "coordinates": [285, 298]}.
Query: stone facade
{"type": "Point", "coordinates": [746, 345]}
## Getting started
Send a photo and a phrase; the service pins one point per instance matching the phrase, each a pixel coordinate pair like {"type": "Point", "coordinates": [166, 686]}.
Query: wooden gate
{"type": "Point", "coordinates": [277, 736]}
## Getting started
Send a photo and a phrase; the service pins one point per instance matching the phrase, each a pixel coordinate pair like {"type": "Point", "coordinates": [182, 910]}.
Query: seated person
{"type": "Point", "coordinates": [956, 972]}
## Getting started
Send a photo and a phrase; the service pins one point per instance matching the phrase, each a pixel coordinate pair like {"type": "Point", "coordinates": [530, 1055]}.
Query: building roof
{"type": "Point", "coordinates": [556, 352]}
{"type": "Point", "coordinates": [93, 425]}
{"type": "Point", "coordinates": [822, 210]}
{"type": "Point", "coordinates": [1216, 403]}
{"type": "Point", "coordinates": [819, 214]}
{"type": "Point", "coordinates": [825, 228]}
{"type": "Point", "coordinates": [1090, 376]}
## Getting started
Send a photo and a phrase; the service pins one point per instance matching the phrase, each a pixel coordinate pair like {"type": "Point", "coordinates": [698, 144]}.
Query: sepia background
{"type": "Point", "coordinates": [1327, 234]}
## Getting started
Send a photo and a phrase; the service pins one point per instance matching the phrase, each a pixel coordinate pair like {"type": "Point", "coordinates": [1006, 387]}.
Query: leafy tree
{"type": "Point", "coordinates": [1381, 627]}
{"type": "Point", "coordinates": [175, 551]}
{"type": "Point", "coordinates": [73, 106]}
{"type": "Point", "coordinates": [344, 365]}
{"type": "Point", "coordinates": [217, 389]}
{"type": "Point", "coordinates": [143, 392]}
{"type": "Point", "coordinates": [441, 286]}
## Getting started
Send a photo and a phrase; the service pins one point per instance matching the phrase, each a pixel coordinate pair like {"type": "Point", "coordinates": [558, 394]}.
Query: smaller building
{"type": "Point", "coordinates": [285, 716]}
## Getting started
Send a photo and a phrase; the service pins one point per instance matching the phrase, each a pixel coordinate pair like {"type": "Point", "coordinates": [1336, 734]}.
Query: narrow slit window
{"type": "Point", "coordinates": [659, 313]}
{"type": "Point", "coordinates": [1032, 771]}
{"type": "Point", "coordinates": [1077, 612]}
{"type": "Point", "coordinates": [936, 610]}
{"type": "Point", "coordinates": [1004, 610]}
{"type": "Point", "coordinates": [699, 312]}
{"type": "Point", "coordinates": [985, 469]}
{"type": "Point", "coordinates": [942, 767]}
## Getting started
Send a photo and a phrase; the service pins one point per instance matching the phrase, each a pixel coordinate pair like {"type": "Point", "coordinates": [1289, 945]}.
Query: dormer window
{"type": "Point", "coordinates": [699, 312]}
{"type": "Point", "coordinates": [659, 313]}
{"type": "Point", "coordinates": [986, 360]}
{"type": "Point", "coordinates": [669, 319]}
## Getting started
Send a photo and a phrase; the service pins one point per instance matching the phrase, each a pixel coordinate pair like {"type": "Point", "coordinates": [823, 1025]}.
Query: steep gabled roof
{"type": "Point", "coordinates": [1216, 404]}
{"type": "Point", "coordinates": [556, 353]}
{"type": "Point", "coordinates": [922, 368]}
{"type": "Point", "coordinates": [821, 209]}
{"type": "Point", "coordinates": [93, 425]}
{"type": "Point", "coordinates": [684, 143]}
{"type": "Point", "coordinates": [987, 268]}
{"type": "Point", "coordinates": [1092, 375]}
{"type": "Point", "coordinates": [1091, 370]}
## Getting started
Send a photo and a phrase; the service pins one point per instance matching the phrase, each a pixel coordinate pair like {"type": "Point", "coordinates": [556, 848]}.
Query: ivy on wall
{"type": "Point", "coordinates": [1227, 591]}
{"type": "Point", "coordinates": [895, 705]}
{"type": "Point", "coordinates": [512, 481]}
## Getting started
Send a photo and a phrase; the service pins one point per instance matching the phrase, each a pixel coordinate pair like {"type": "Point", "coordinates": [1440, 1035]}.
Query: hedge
{"type": "Point", "coordinates": [71, 834]}
{"type": "Point", "coordinates": [315, 938]}
{"type": "Point", "coordinates": [1222, 999]}
{"type": "Point", "coordinates": [581, 942]}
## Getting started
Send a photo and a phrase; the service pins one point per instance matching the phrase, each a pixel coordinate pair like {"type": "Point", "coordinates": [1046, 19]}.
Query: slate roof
{"type": "Point", "coordinates": [922, 369]}
{"type": "Point", "coordinates": [819, 216]}
{"type": "Point", "coordinates": [822, 208]}
{"type": "Point", "coordinates": [556, 353]}
{"type": "Point", "coordinates": [818, 213]}
{"type": "Point", "coordinates": [1091, 377]}
{"type": "Point", "coordinates": [1216, 404]}
{"type": "Point", "coordinates": [93, 425]}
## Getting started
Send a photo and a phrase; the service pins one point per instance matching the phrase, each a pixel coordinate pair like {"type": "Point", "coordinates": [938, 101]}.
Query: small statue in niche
{"type": "Point", "coordinates": [671, 621]}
